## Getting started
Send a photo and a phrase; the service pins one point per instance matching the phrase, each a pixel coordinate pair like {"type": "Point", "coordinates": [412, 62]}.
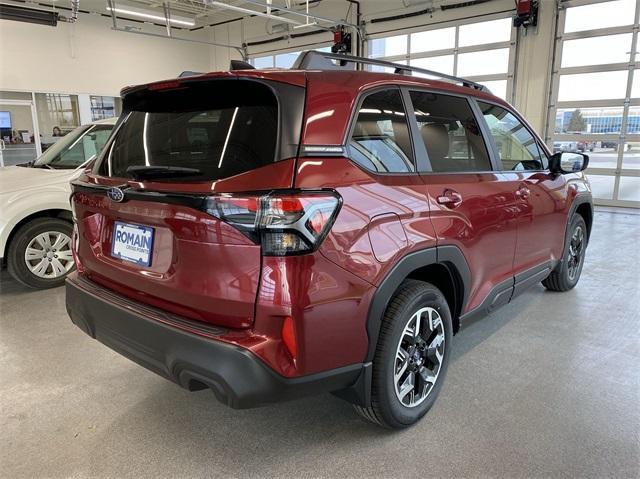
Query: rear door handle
{"type": "Point", "coordinates": [449, 198]}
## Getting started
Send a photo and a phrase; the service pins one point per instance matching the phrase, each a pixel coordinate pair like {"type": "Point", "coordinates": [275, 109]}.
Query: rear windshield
{"type": "Point", "coordinates": [220, 128]}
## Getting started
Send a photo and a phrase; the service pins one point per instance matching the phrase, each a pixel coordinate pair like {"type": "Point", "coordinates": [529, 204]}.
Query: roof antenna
{"type": "Point", "coordinates": [240, 65]}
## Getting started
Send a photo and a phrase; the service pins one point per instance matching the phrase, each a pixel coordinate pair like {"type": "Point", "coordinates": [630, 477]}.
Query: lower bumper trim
{"type": "Point", "coordinates": [237, 377]}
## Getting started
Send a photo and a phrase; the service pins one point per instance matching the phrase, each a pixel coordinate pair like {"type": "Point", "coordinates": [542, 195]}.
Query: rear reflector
{"type": "Point", "coordinates": [284, 223]}
{"type": "Point", "coordinates": [289, 336]}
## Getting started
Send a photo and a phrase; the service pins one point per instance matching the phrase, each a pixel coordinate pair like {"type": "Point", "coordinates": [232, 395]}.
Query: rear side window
{"type": "Point", "coordinates": [221, 130]}
{"type": "Point", "coordinates": [450, 133]}
{"type": "Point", "coordinates": [517, 147]}
{"type": "Point", "coordinates": [380, 140]}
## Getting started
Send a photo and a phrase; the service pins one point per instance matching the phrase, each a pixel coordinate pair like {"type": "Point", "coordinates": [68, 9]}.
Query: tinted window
{"type": "Point", "coordinates": [221, 130]}
{"type": "Point", "coordinates": [380, 139]}
{"type": "Point", "coordinates": [517, 147]}
{"type": "Point", "coordinates": [450, 133]}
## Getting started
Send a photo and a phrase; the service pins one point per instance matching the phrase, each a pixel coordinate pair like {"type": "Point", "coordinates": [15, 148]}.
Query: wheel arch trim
{"type": "Point", "coordinates": [448, 256]}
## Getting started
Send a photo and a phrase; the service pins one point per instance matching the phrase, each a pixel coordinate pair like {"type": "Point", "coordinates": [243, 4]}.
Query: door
{"type": "Point", "coordinates": [19, 142]}
{"type": "Point", "coordinates": [538, 197]}
{"type": "Point", "coordinates": [469, 201]}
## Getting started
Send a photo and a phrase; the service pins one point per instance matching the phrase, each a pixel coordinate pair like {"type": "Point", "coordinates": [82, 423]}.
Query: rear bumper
{"type": "Point", "coordinates": [237, 377]}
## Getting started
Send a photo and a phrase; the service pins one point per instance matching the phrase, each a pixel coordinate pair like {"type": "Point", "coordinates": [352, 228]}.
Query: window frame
{"type": "Point", "coordinates": [539, 144]}
{"type": "Point", "coordinates": [419, 144]}
{"type": "Point", "coordinates": [419, 162]}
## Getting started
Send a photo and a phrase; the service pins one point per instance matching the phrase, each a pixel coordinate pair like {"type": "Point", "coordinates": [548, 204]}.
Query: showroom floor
{"type": "Point", "coordinates": [548, 386]}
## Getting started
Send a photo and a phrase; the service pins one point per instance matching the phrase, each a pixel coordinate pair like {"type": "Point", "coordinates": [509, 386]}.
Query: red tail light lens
{"type": "Point", "coordinates": [284, 223]}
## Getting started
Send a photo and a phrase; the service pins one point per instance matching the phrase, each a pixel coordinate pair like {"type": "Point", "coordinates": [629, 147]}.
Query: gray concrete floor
{"type": "Point", "coordinates": [548, 386]}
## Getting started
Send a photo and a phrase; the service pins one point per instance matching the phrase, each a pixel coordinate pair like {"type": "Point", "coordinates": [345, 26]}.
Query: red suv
{"type": "Point", "coordinates": [277, 233]}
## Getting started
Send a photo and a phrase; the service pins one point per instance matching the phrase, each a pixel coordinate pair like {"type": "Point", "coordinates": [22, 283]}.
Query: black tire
{"type": "Point", "coordinates": [16, 263]}
{"type": "Point", "coordinates": [567, 274]}
{"type": "Point", "coordinates": [386, 409]}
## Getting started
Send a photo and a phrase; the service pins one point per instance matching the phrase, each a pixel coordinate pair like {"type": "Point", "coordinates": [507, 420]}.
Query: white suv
{"type": "Point", "coordinates": [35, 215]}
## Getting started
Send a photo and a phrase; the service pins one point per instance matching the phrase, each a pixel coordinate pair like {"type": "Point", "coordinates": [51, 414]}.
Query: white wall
{"type": "Point", "coordinates": [89, 57]}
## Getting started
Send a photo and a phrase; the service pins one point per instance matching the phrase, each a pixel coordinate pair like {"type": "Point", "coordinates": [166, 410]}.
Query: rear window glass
{"type": "Point", "coordinates": [221, 129]}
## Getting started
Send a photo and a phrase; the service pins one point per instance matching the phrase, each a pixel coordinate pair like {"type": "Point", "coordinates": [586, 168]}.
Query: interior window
{"type": "Point", "coordinates": [450, 133]}
{"type": "Point", "coordinates": [517, 147]}
{"type": "Point", "coordinates": [380, 139]}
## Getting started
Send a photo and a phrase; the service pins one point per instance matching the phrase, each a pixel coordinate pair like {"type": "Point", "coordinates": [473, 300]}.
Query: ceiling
{"type": "Point", "coordinates": [202, 13]}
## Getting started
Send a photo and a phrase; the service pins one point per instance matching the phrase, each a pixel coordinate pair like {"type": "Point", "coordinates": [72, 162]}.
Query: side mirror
{"type": "Point", "coordinates": [568, 162]}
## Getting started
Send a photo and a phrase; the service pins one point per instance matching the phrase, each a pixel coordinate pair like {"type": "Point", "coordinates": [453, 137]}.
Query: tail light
{"type": "Point", "coordinates": [283, 223]}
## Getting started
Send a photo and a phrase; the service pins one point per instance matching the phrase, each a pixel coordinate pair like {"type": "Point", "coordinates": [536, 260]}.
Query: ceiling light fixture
{"type": "Point", "coordinates": [134, 12]}
{"type": "Point", "coordinates": [251, 12]}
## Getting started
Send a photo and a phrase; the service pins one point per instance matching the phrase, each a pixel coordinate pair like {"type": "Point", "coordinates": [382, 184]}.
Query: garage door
{"type": "Point", "coordinates": [595, 95]}
{"type": "Point", "coordinates": [482, 51]}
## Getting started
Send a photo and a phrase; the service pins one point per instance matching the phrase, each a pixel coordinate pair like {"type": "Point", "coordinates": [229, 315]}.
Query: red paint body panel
{"type": "Point", "coordinates": [483, 227]}
{"type": "Point", "coordinates": [207, 271]}
{"type": "Point", "coordinates": [222, 292]}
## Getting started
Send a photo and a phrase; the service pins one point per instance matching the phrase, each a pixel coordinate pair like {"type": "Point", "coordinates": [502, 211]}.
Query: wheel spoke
{"type": "Point", "coordinates": [58, 269]}
{"type": "Point", "coordinates": [65, 255]}
{"type": "Point", "coordinates": [403, 356]}
{"type": "Point", "coordinates": [41, 268]}
{"type": "Point", "coordinates": [44, 240]}
{"type": "Point", "coordinates": [61, 241]}
{"type": "Point", "coordinates": [427, 375]}
{"type": "Point", "coordinates": [33, 254]}
{"type": "Point", "coordinates": [407, 385]}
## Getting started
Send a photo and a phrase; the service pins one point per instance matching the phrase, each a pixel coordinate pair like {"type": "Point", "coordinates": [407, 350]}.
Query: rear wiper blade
{"type": "Point", "coordinates": [160, 172]}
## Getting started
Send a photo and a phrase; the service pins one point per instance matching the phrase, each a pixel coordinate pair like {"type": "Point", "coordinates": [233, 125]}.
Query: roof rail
{"type": "Point", "coordinates": [314, 60]}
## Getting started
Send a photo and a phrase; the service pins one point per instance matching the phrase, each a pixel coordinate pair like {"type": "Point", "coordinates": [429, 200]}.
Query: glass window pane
{"type": "Point", "coordinates": [601, 186]}
{"type": "Point", "coordinates": [440, 64]}
{"type": "Point", "coordinates": [57, 115]}
{"type": "Point", "coordinates": [103, 107]}
{"type": "Point", "coordinates": [497, 87]}
{"type": "Point", "coordinates": [485, 32]}
{"type": "Point", "coordinates": [263, 62]}
{"type": "Point", "coordinates": [76, 148]}
{"type": "Point", "coordinates": [487, 62]}
{"type": "Point", "coordinates": [380, 139]}
{"type": "Point", "coordinates": [450, 133]}
{"type": "Point", "coordinates": [286, 60]}
{"type": "Point", "coordinates": [593, 86]}
{"type": "Point", "coordinates": [629, 189]}
{"type": "Point", "coordinates": [433, 40]}
{"type": "Point", "coordinates": [635, 89]}
{"type": "Point", "coordinates": [633, 122]}
{"type": "Point", "coordinates": [17, 133]}
{"type": "Point", "coordinates": [600, 15]}
{"type": "Point", "coordinates": [605, 120]}
{"type": "Point", "coordinates": [597, 50]}
{"type": "Point", "coordinates": [218, 135]}
{"type": "Point", "coordinates": [602, 154]}
{"type": "Point", "coordinates": [631, 155]}
{"type": "Point", "coordinates": [517, 147]}
{"type": "Point", "coordinates": [387, 47]}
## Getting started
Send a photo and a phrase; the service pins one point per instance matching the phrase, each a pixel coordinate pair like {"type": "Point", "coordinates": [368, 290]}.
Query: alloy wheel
{"type": "Point", "coordinates": [48, 255]}
{"type": "Point", "coordinates": [576, 252]}
{"type": "Point", "coordinates": [419, 357]}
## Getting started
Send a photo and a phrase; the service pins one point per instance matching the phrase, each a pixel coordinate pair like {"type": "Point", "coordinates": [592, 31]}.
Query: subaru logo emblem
{"type": "Point", "coordinates": [115, 194]}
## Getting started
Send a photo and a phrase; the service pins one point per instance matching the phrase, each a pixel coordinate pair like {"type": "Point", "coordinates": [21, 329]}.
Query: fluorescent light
{"type": "Point", "coordinates": [187, 22]}
{"type": "Point", "coordinates": [251, 12]}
